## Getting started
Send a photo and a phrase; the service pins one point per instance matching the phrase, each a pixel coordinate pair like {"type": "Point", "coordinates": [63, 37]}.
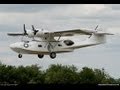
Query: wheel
{"type": "Point", "coordinates": [20, 56]}
{"type": "Point", "coordinates": [52, 55]}
{"type": "Point", "coordinates": [40, 55]}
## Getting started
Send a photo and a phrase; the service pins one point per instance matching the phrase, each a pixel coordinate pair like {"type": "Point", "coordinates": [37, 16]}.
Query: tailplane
{"type": "Point", "coordinates": [99, 36]}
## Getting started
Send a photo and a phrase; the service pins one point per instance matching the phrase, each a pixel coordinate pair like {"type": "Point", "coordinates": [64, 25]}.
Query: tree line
{"type": "Point", "coordinates": [55, 74]}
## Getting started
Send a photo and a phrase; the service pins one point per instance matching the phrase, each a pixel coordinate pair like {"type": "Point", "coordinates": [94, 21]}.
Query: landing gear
{"type": "Point", "coordinates": [52, 55]}
{"type": "Point", "coordinates": [20, 56]}
{"type": "Point", "coordinates": [40, 55]}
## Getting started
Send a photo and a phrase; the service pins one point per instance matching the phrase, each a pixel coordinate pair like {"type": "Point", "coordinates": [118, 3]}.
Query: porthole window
{"type": "Point", "coordinates": [26, 45]}
{"type": "Point", "coordinates": [45, 38]}
{"type": "Point", "coordinates": [59, 45]}
{"type": "Point", "coordinates": [39, 45]}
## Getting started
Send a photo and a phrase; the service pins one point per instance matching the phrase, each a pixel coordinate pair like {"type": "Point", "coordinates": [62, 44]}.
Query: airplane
{"type": "Point", "coordinates": [48, 45]}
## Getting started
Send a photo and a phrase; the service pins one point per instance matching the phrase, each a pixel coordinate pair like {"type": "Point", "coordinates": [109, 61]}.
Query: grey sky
{"type": "Point", "coordinates": [61, 17]}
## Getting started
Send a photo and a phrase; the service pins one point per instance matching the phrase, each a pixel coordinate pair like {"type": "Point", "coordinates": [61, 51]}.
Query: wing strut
{"type": "Point", "coordinates": [58, 39]}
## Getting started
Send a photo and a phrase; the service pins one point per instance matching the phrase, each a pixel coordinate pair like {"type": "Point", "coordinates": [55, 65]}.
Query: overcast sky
{"type": "Point", "coordinates": [54, 17]}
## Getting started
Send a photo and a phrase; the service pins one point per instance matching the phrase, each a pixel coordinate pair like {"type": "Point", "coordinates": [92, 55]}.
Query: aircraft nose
{"type": "Point", "coordinates": [15, 47]}
{"type": "Point", "coordinates": [12, 46]}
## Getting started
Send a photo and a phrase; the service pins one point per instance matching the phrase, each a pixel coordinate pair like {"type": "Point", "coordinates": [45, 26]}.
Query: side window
{"type": "Point", "coordinates": [59, 45]}
{"type": "Point", "coordinates": [39, 45]}
{"type": "Point", "coordinates": [68, 42]}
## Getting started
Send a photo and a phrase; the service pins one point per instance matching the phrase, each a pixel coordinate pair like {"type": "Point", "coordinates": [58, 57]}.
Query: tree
{"type": "Point", "coordinates": [29, 74]}
{"type": "Point", "coordinates": [55, 74]}
{"type": "Point", "coordinates": [103, 77]}
{"type": "Point", "coordinates": [100, 76]}
{"type": "Point", "coordinates": [3, 72]}
{"type": "Point", "coordinates": [87, 76]}
{"type": "Point", "coordinates": [58, 74]}
{"type": "Point", "coordinates": [7, 74]}
{"type": "Point", "coordinates": [36, 75]}
{"type": "Point", "coordinates": [118, 80]}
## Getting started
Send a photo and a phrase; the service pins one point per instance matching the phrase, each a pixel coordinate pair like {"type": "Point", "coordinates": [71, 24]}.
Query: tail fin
{"type": "Point", "coordinates": [99, 37]}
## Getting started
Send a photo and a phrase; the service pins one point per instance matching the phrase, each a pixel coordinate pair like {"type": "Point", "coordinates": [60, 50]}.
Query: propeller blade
{"type": "Point", "coordinates": [33, 28]}
{"type": "Point", "coordinates": [96, 27]}
{"type": "Point", "coordinates": [35, 31]}
{"type": "Point", "coordinates": [25, 32]}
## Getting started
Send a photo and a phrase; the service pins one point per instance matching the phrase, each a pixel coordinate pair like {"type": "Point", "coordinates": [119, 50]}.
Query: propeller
{"type": "Point", "coordinates": [96, 28]}
{"type": "Point", "coordinates": [35, 31]}
{"type": "Point", "coordinates": [25, 32]}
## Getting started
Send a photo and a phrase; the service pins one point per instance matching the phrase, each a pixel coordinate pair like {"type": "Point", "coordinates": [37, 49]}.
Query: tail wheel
{"type": "Point", "coordinates": [40, 55]}
{"type": "Point", "coordinates": [20, 56]}
{"type": "Point", "coordinates": [52, 55]}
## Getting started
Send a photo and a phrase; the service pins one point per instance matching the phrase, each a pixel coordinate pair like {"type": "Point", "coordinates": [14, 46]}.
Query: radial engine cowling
{"type": "Point", "coordinates": [30, 33]}
{"type": "Point", "coordinates": [40, 34]}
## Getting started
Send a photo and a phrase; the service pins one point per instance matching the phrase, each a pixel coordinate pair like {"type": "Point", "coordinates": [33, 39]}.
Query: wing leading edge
{"type": "Point", "coordinates": [73, 32]}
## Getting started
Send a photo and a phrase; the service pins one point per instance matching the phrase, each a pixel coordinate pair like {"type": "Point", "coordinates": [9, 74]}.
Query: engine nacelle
{"type": "Point", "coordinates": [41, 34]}
{"type": "Point", "coordinates": [30, 33]}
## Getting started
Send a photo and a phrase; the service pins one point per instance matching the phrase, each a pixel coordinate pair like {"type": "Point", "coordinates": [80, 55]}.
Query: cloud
{"type": "Point", "coordinates": [58, 16]}
{"type": "Point", "coordinates": [114, 6]}
{"type": "Point", "coordinates": [55, 11]}
{"type": "Point", "coordinates": [114, 30]}
{"type": "Point", "coordinates": [26, 8]}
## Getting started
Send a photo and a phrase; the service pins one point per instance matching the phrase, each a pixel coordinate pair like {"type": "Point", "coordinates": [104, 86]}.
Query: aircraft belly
{"type": "Point", "coordinates": [39, 51]}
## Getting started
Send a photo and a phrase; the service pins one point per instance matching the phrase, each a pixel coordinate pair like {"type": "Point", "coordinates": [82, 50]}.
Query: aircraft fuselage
{"type": "Point", "coordinates": [33, 47]}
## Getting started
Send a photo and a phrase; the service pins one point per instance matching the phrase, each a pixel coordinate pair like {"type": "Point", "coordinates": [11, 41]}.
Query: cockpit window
{"type": "Point", "coordinates": [68, 42]}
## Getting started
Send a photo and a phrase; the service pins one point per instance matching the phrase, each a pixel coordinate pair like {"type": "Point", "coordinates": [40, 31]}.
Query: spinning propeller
{"type": "Point", "coordinates": [35, 31]}
{"type": "Point", "coordinates": [29, 33]}
{"type": "Point", "coordinates": [25, 32]}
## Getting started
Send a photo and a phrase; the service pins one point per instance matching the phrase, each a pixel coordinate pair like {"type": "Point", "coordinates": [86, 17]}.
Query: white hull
{"type": "Point", "coordinates": [32, 47]}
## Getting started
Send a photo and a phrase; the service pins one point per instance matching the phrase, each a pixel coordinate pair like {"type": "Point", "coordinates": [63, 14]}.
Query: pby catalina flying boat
{"type": "Point", "coordinates": [48, 45]}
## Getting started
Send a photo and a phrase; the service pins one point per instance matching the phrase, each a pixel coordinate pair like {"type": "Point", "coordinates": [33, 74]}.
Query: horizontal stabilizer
{"type": "Point", "coordinates": [103, 33]}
